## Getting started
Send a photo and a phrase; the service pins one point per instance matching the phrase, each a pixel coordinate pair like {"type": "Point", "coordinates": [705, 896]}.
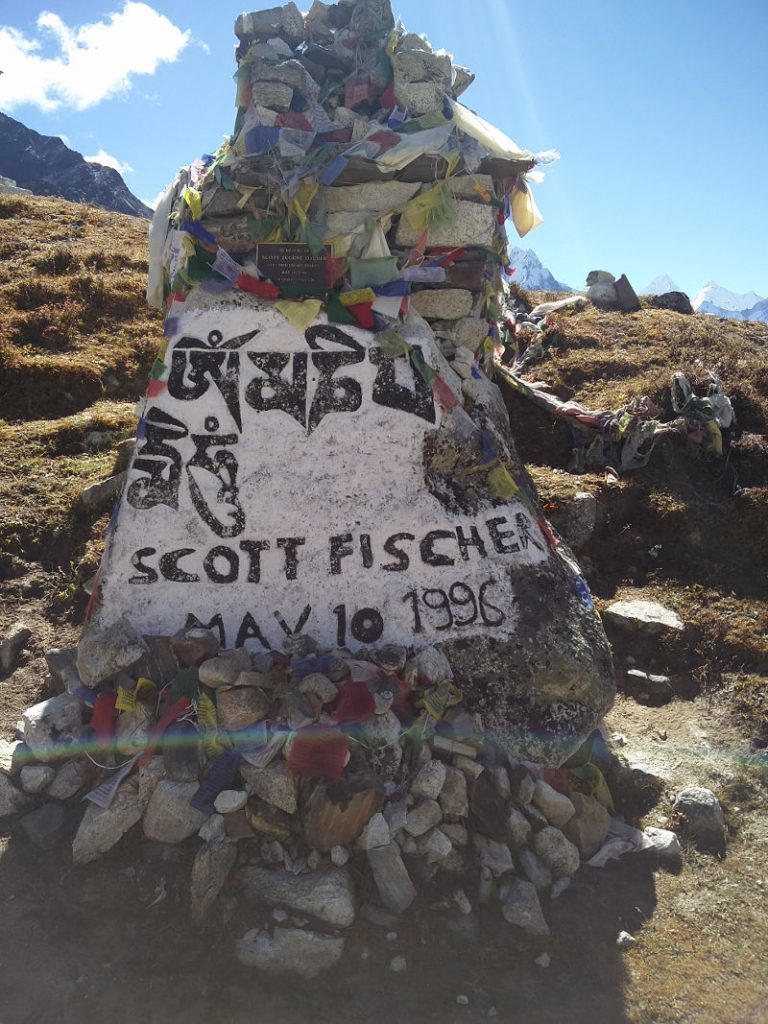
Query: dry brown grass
{"type": "Point", "coordinates": [712, 563]}
{"type": "Point", "coordinates": [74, 326]}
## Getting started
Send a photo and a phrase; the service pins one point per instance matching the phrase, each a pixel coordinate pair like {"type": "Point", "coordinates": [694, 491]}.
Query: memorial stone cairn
{"type": "Point", "coordinates": [331, 620]}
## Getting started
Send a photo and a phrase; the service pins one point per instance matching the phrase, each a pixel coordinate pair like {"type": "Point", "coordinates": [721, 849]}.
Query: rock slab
{"type": "Point", "coordinates": [296, 950]}
{"type": "Point", "coordinates": [327, 895]}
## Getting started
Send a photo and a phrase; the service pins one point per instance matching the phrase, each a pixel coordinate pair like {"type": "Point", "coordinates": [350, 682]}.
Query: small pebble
{"type": "Point", "coordinates": [279, 915]}
{"type": "Point", "coordinates": [462, 1000]}
{"type": "Point", "coordinates": [543, 960]}
{"type": "Point", "coordinates": [492, 1012]}
{"type": "Point", "coordinates": [391, 936]}
{"type": "Point", "coordinates": [398, 964]}
{"type": "Point", "coordinates": [625, 941]}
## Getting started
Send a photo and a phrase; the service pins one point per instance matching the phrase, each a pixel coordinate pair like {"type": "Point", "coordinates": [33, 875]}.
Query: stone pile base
{"type": "Point", "coordinates": [326, 780]}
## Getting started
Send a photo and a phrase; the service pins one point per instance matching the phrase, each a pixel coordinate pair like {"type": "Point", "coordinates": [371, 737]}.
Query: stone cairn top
{"type": "Point", "coordinates": [349, 139]}
{"type": "Point", "coordinates": [355, 189]}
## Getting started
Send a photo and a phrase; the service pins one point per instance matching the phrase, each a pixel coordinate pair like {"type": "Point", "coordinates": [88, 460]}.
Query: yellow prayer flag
{"type": "Point", "coordinates": [300, 314]}
{"type": "Point", "coordinates": [194, 201]}
{"type": "Point", "coordinates": [358, 297]}
{"type": "Point", "coordinates": [502, 484]}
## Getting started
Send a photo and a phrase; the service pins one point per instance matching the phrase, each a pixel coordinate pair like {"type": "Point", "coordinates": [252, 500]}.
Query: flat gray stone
{"type": "Point", "coordinates": [648, 689]}
{"type": "Point", "coordinates": [445, 303]}
{"type": "Point", "coordinates": [102, 652]}
{"type": "Point", "coordinates": [518, 828]}
{"type": "Point", "coordinates": [520, 906]}
{"type": "Point", "coordinates": [12, 800]}
{"type": "Point", "coordinates": [493, 855]}
{"type": "Point", "coordinates": [272, 95]}
{"type": "Point", "coordinates": [48, 826]}
{"type": "Point", "coordinates": [703, 814]}
{"type": "Point", "coordinates": [210, 870]}
{"type": "Point", "coordinates": [289, 72]}
{"type": "Point", "coordinates": [103, 493]}
{"type": "Point", "coordinates": [290, 950]}
{"type": "Point", "coordinates": [433, 847]}
{"type": "Point", "coordinates": [666, 844]}
{"type": "Point", "coordinates": [600, 277]}
{"type": "Point", "coordinates": [535, 870]}
{"type": "Point", "coordinates": [372, 199]}
{"type": "Point", "coordinates": [557, 808]}
{"type": "Point", "coordinates": [429, 780]}
{"type": "Point", "coordinates": [396, 890]}
{"type": "Point", "coordinates": [224, 669]}
{"type": "Point", "coordinates": [646, 618]}
{"type": "Point", "coordinates": [213, 829]}
{"type": "Point", "coordinates": [275, 784]}
{"type": "Point", "coordinates": [53, 725]}
{"type": "Point", "coordinates": [471, 224]}
{"type": "Point", "coordinates": [230, 800]}
{"type": "Point", "coordinates": [12, 644]}
{"type": "Point", "coordinates": [238, 707]}
{"type": "Point", "coordinates": [103, 827]}
{"type": "Point", "coordinates": [424, 816]}
{"type": "Point", "coordinates": [375, 833]}
{"type": "Point", "coordinates": [71, 779]}
{"type": "Point", "coordinates": [35, 778]}
{"type": "Point", "coordinates": [169, 818]}
{"type": "Point", "coordinates": [62, 664]}
{"type": "Point", "coordinates": [602, 293]}
{"type": "Point", "coordinates": [558, 853]}
{"type": "Point", "coordinates": [284, 22]}
{"type": "Point", "coordinates": [589, 826]}
{"type": "Point", "coordinates": [327, 895]}
{"type": "Point", "coordinates": [453, 799]}
{"type": "Point", "coordinates": [13, 756]}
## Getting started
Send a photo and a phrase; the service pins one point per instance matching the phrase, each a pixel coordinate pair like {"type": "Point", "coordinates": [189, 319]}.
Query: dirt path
{"type": "Point", "coordinates": [88, 942]}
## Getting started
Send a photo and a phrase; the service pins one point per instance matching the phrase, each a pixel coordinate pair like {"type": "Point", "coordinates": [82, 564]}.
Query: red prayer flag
{"type": "Point", "coordinates": [103, 718]}
{"type": "Point", "coordinates": [263, 289]}
{"type": "Point", "coordinates": [363, 313]}
{"type": "Point", "coordinates": [318, 752]}
{"type": "Point", "coordinates": [353, 704]}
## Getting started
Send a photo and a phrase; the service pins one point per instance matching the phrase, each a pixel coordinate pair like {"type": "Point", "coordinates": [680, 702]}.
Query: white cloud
{"type": "Point", "coordinates": [65, 140]}
{"type": "Point", "coordinates": [107, 160]}
{"type": "Point", "coordinates": [535, 175]}
{"type": "Point", "coordinates": [152, 203]}
{"type": "Point", "coordinates": [95, 61]}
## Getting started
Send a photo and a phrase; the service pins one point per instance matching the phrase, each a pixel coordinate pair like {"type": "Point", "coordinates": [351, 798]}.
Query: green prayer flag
{"type": "Point", "coordinates": [336, 312]}
{"type": "Point", "coordinates": [379, 270]}
{"type": "Point", "coordinates": [392, 344]}
{"type": "Point", "coordinates": [421, 366]}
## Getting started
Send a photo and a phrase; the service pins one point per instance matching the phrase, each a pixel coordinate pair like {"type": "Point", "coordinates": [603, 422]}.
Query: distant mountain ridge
{"type": "Point", "coordinates": [660, 285]}
{"type": "Point", "coordinates": [714, 295]}
{"type": "Point", "coordinates": [47, 167]}
{"type": "Point", "coordinates": [715, 300]}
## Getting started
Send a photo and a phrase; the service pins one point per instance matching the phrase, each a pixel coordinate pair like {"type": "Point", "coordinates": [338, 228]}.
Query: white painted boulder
{"type": "Point", "coordinates": [291, 481]}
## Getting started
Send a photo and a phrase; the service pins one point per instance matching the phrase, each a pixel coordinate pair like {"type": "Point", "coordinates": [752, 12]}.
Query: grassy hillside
{"type": "Point", "coordinates": [76, 342]}
{"type": "Point", "coordinates": [76, 338]}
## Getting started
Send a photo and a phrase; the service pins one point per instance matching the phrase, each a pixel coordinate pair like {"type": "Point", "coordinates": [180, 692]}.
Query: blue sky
{"type": "Point", "coordinates": [658, 110]}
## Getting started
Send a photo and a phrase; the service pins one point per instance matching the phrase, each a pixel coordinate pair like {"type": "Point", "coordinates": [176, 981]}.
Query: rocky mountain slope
{"type": "Point", "coordinates": [47, 167]}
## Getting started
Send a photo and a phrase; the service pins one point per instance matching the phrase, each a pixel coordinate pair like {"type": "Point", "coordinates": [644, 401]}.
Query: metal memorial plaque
{"type": "Point", "coordinates": [293, 264]}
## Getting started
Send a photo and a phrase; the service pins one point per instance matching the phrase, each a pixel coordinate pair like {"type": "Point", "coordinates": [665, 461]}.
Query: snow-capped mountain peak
{"type": "Point", "coordinates": [715, 296]}
{"type": "Point", "coordinates": [660, 286]}
{"type": "Point", "coordinates": [531, 274]}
